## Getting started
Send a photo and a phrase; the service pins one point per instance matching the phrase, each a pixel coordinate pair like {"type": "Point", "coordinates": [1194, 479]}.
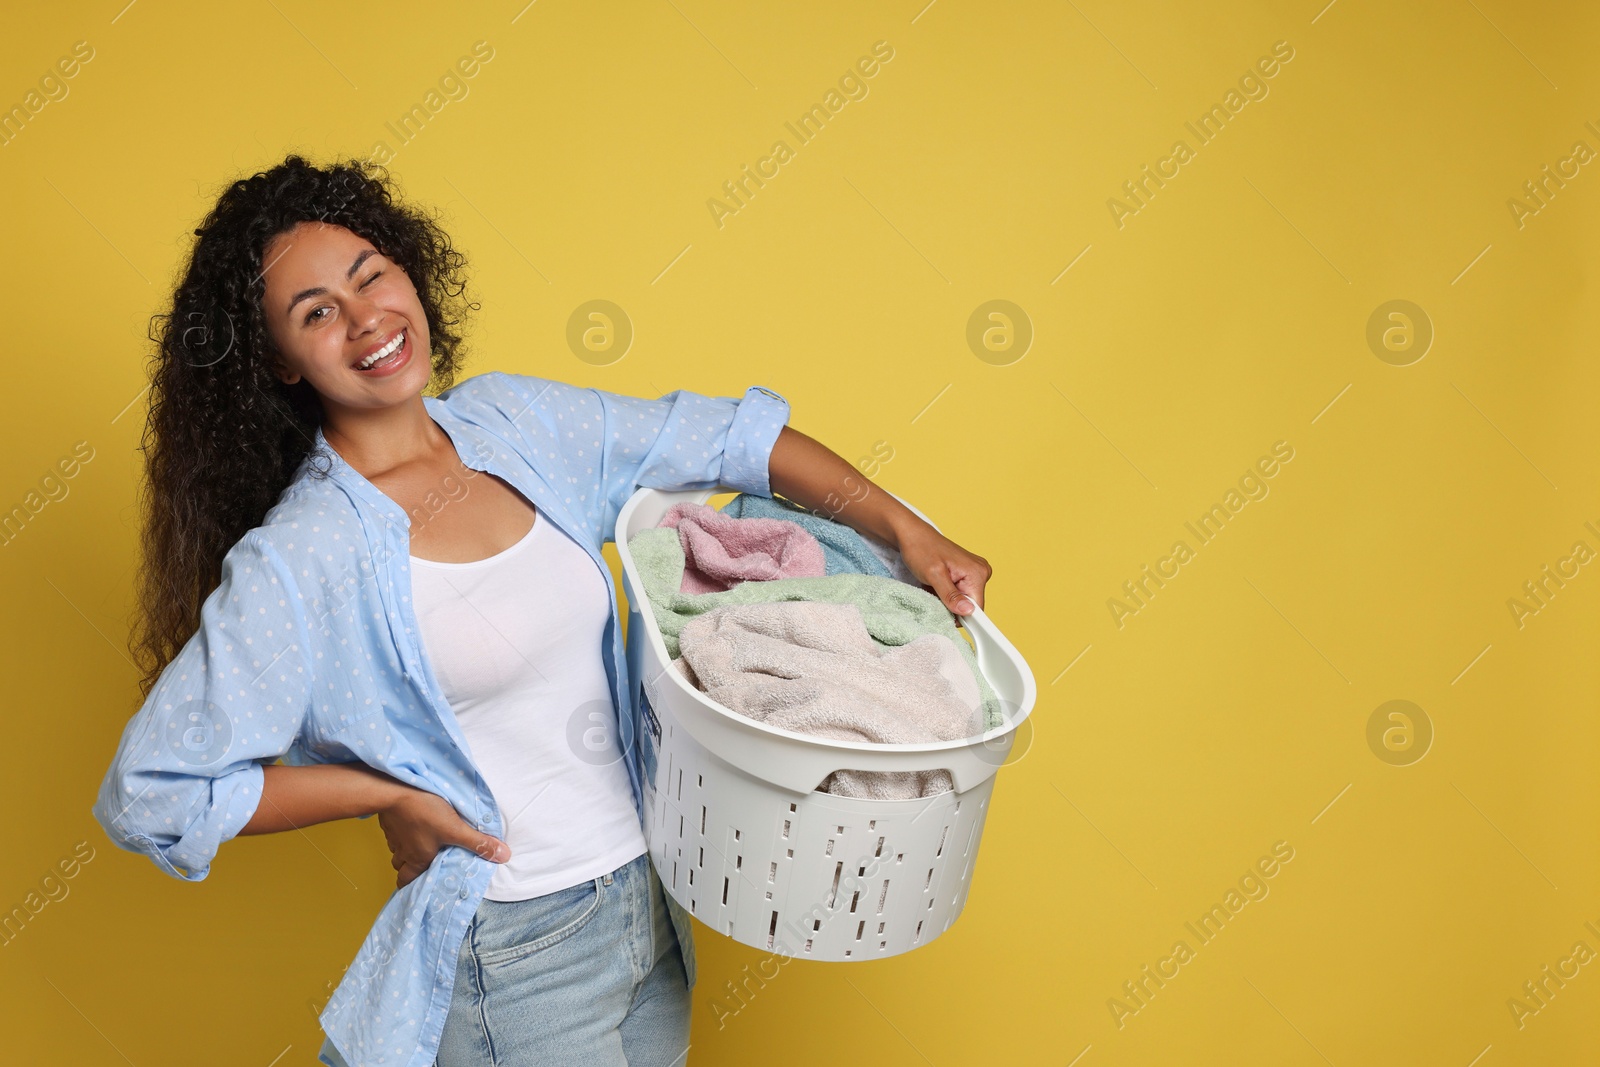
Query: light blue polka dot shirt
{"type": "Point", "coordinates": [309, 650]}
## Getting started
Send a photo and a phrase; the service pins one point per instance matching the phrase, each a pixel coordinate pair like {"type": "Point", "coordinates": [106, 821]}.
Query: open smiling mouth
{"type": "Point", "coordinates": [389, 357]}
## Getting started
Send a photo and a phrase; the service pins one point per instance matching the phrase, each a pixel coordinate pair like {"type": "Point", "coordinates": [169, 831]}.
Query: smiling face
{"type": "Point", "coordinates": [332, 303]}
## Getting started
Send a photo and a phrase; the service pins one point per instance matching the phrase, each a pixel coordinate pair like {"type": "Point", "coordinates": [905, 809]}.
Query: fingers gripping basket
{"type": "Point", "coordinates": [740, 837]}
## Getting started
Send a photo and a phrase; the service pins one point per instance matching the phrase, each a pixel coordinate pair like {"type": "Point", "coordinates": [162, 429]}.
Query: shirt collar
{"type": "Point", "coordinates": [468, 437]}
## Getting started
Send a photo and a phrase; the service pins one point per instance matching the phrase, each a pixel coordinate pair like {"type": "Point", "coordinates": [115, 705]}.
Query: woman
{"type": "Point", "coordinates": [313, 518]}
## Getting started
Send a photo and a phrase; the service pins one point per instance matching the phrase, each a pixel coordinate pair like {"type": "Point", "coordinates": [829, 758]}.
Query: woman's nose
{"type": "Point", "coordinates": [365, 315]}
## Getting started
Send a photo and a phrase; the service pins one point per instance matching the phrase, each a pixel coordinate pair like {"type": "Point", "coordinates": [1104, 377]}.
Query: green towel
{"type": "Point", "coordinates": [895, 613]}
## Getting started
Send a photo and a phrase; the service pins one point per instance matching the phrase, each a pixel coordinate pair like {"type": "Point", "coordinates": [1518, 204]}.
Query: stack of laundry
{"type": "Point", "coordinates": [806, 624]}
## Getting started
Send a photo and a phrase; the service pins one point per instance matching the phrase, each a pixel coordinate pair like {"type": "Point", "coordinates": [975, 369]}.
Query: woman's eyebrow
{"type": "Point", "coordinates": [318, 290]}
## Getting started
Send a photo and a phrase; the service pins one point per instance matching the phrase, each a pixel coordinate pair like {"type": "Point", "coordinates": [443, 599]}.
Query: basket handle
{"type": "Point", "coordinates": [998, 658]}
{"type": "Point", "coordinates": [1001, 664]}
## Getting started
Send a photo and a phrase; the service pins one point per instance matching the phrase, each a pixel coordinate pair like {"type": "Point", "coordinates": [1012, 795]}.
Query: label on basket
{"type": "Point", "coordinates": [649, 739]}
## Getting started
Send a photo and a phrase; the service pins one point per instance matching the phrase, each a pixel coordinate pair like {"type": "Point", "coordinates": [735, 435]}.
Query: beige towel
{"type": "Point", "coordinates": [812, 667]}
{"type": "Point", "coordinates": [895, 613]}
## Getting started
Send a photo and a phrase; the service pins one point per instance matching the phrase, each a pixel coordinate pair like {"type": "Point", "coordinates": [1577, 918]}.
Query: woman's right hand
{"type": "Point", "coordinates": [417, 824]}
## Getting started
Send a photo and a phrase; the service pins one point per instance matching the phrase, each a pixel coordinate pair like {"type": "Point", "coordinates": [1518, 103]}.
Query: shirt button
{"type": "Point", "coordinates": [463, 894]}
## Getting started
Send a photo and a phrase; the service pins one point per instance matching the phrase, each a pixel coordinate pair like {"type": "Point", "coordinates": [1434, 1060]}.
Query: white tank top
{"type": "Point", "coordinates": [516, 643]}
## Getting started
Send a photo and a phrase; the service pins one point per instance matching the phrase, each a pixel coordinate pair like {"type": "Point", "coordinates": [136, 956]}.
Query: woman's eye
{"type": "Point", "coordinates": [312, 316]}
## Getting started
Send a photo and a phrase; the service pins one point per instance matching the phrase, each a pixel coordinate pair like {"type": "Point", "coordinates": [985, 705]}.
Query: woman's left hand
{"type": "Point", "coordinates": [956, 575]}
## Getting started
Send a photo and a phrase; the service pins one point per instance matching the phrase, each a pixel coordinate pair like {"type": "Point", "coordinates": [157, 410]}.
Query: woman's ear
{"type": "Point", "coordinates": [281, 372]}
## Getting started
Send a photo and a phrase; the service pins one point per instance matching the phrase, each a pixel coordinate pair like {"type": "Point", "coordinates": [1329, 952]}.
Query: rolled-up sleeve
{"type": "Point", "coordinates": [187, 772]}
{"type": "Point", "coordinates": [686, 440]}
{"type": "Point", "coordinates": [761, 416]}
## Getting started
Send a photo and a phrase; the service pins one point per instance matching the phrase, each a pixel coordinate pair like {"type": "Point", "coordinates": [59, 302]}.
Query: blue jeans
{"type": "Point", "coordinates": [591, 974]}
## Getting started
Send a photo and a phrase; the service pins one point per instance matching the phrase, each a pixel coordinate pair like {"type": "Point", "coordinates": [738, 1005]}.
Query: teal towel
{"type": "Point", "coordinates": [844, 550]}
{"type": "Point", "coordinates": [895, 613]}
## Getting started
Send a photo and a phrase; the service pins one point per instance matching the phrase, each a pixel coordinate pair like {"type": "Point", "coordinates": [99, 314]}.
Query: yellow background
{"type": "Point", "coordinates": [1226, 315]}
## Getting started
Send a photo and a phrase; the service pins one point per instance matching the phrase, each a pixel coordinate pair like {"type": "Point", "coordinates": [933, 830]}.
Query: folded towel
{"type": "Point", "coordinates": [720, 550]}
{"type": "Point", "coordinates": [894, 613]}
{"type": "Point", "coordinates": [845, 549]}
{"type": "Point", "coordinates": [812, 668]}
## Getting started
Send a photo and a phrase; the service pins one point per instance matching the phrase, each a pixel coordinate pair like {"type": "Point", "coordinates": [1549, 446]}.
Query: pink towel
{"type": "Point", "coordinates": [720, 551]}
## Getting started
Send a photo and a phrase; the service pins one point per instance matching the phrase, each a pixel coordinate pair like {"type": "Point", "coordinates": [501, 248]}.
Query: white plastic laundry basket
{"type": "Point", "coordinates": [742, 839]}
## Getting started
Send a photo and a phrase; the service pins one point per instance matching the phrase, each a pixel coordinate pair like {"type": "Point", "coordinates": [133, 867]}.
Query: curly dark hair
{"type": "Point", "coordinates": [225, 436]}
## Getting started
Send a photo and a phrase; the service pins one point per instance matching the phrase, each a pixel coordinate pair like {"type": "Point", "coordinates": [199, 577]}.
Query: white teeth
{"type": "Point", "coordinates": [383, 353]}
